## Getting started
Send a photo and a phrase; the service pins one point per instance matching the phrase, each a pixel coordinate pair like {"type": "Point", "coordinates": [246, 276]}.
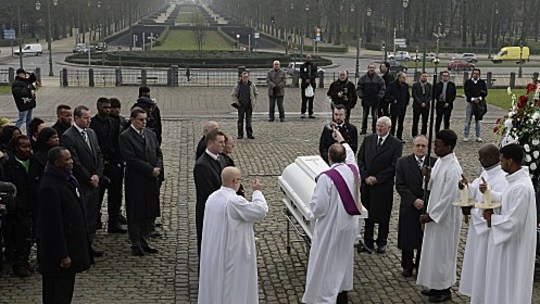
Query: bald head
{"type": "Point", "coordinates": [488, 155]}
{"type": "Point", "coordinates": [231, 177]}
{"type": "Point", "coordinates": [209, 126]}
{"type": "Point", "coordinates": [336, 154]}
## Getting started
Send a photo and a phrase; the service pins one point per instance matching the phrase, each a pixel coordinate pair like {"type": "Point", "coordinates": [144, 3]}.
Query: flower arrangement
{"type": "Point", "coordinates": [522, 125]}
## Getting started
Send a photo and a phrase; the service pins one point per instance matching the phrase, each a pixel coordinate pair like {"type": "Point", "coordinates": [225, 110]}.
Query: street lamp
{"type": "Point", "coordinates": [439, 35]}
{"type": "Point", "coordinates": [494, 11]}
{"type": "Point", "coordinates": [49, 31]}
{"type": "Point", "coordinates": [368, 32]}
{"type": "Point", "coordinates": [306, 8]}
{"type": "Point", "coordinates": [520, 59]}
{"type": "Point", "coordinates": [238, 41]}
{"type": "Point", "coordinates": [102, 47]}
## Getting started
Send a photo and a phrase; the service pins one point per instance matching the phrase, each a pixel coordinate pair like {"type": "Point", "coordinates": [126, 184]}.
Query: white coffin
{"type": "Point", "coordinates": [297, 182]}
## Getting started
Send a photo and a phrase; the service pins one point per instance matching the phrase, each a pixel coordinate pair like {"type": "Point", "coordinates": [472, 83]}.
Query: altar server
{"type": "Point", "coordinates": [512, 241]}
{"type": "Point", "coordinates": [331, 259]}
{"type": "Point", "coordinates": [473, 272]}
{"type": "Point", "coordinates": [228, 273]}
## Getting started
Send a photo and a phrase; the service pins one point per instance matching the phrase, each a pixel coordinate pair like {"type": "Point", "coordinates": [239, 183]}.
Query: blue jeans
{"type": "Point", "coordinates": [24, 117]}
{"type": "Point", "coordinates": [468, 118]}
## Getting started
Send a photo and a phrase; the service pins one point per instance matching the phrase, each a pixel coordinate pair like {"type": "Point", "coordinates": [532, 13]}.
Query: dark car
{"type": "Point", "coordinates": [397, 66]}
{"type": "Point", "coordinates": [460, 65]}
{"type": "Point", "coordinates": [101, 46]}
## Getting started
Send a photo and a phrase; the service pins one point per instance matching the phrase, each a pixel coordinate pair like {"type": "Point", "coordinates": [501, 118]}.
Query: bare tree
{"type": "Point", "coordinates": [199, 31]}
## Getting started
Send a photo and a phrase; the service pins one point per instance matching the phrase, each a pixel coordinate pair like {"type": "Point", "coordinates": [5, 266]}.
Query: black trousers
{"type": "Point", "coordinates": [58, 289]}
{"type": "Point", "coordinates": [17, 233]}
{"type": "Point", "coordinates": [91, 196]}
{"type": "Point", "coordinates": [244, 112]}
{"type": "Point", "coordinates": [424, 112]}
{"type": "Point", "coordinates": [281, 109]}
{"type": "Point", "coordinates": [307, 102]}
{"type": "Point", "coordinates": [397, 119]}
{"type": "Point", "coordinates": [115, 173]}
{"type": "Point", "coordinates": [374, 117]}
{"type": "Point", "coordinates": [382, 236]}
{"type": "Point", "coordinates": [139, 230]}
{"type": "Point", "coordinates": [409, 260]}
{"type": "Point", "coordinates": [443, 113]}
{"type": "Point", "coordinates": [384, 109]}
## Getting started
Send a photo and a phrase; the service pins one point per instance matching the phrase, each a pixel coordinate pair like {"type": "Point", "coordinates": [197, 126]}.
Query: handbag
{"type": "Point", "coordinates": [309, 91]}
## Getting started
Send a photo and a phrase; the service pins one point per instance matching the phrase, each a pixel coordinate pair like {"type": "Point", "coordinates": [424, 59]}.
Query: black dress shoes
{"type": "Point", "coordinates": [116, 228]}
{"type": "Point", "coordinates": [149, 249]}
{"type": "Point", "coordinates": [137, 251]}
{"type": "Point", "coordinates": [271, 119]}
{"type": "Point", "coordinates": [381, 249]}
{"type": "Point", "coordinates": [407, 273]}
{"type": "Point", "coordinates": [251, 137]}
{"type": "Point", "coordinates": [441, 296]}
{"type": "Point", "coordinates": [428, 292]}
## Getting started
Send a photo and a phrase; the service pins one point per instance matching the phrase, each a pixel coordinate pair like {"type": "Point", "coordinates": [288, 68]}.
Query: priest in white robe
{"type": "Point", "coordinates": [331, 259]}
{"type": "Point", "coordinates": [512, 241]}
{"type": "Point", "coordinates": [442, 220]}
{"type": "Point", "coordinates": [473, 272]}
{"type": "Point", "coordinates": [228, 271]}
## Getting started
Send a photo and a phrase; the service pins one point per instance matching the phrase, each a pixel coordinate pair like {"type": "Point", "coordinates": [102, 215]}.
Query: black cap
{"type": "Point", "coordinates": [20, 71]}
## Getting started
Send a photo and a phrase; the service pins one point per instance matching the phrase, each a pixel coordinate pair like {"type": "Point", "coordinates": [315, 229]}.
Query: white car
{"type": "Point", "coordinates": [400, 56]}
{"type": "Point", "coordinates": [33, 48]}
{"type": "Point", "coordinates": [430, 57]}
{"type": "Point", "coordinates": [294, 68]}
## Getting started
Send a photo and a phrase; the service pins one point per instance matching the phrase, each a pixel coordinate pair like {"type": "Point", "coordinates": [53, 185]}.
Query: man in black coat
{"type": "Point", "coordinates": [201, 146]}
{"type": "Point", "coordinates": [65, 247]}
{"type": "Point", "coordinates": [445, 94]}
{"type": "Point", "coordinates": [308, 74]}
{"type": "Point", "coordinates": [152, 109]}
{"type": "Point", "coordinates": [343, 92]}
{"type": "Point", "coordinates": [475, 93]}
{"type": "Point", "coordinates": [64, 119]}
{"type": "Point", "coordinates": [207, 174]}
{"type": "Point", "coordinates": [371, 89]}
{"type": "Point", "coordinates": [409, 183]}
{"type": "Point", "coordinates": [23, 91]}
{"type": "Point", "coordinates": [82, 143]}
{"type": "Point", "coordinates": [384, 105]}
{"type": "Point", "coordinates": [144, 163]}
{"type": "Point", "coordinates": [399, 96]}
{"type": "Point", "coordinates": [106, 132]}
{"type": "Point", "coordinates": [421, 93]}
{"type": "Point", "coordinates": [349, 132]}
{"type": "Point", "coordinates": [377, 163]}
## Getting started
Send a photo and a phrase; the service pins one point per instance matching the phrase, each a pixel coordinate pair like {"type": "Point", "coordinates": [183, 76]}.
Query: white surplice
{"type": "Point", "coordinates": [439, 248]}
{"type": "Point", "coordinates": [473, 273]}
{"type": "Point", "coordinates": [512, 244]}
{"type": "Point", "coordinates": [228, 262]}
{"type": "Point", "coordinates": [331, 259]}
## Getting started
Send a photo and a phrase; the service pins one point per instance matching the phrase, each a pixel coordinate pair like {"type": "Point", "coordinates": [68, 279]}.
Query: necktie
{"type": "Point", "coordinates": [380, 142]}
{"type": "Point", "coordinates": [84, 135]}
{"type": "Point", "coordinates": [420, 163]}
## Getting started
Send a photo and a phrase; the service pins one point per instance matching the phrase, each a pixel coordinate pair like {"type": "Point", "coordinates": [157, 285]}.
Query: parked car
{"type": "Point", "coordinates": [396, 66]}
{"type": "Point", "coordinates": [430, 57]}
{"type": "Point", "coordinates": [82, 48]}
{"type": "Point", "coordinates": [469, 57]}
{"type": "Point", "coordinates": [460, 65]}
{"type": "Point", "coordinates": [33, 48]}
{"type": "Point", "coordinates": [101, 46]}
{"type": "Point", "coordinates": [512, 53]}
{"type": "Point", "coordinates": [293, 68]}
{"type": "Point", "coordinates": [400, 56]}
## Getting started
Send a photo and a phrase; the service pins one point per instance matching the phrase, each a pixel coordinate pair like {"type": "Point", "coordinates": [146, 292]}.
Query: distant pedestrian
{"type": "Point", "coordinates": [276, 80]}
{"type": "Point", "coordinates": [188, 74]}
{"type": "Point", "coordinates": [384, 105]}
{"type": "Point", "coordinates": [343, 92]}
{"type": "Point", "coordinates": [371, 89]}
{"type": "Point", "coordinates": [475, 93]}
{"type": "Point", "coordinates": [308, 74]}
{"type": "Point", "coordinates": [398, 93]}
{"type": "Point", "coordinates": [244, 95]}
{"type": "Point", "coordinates": [445, 94]}
{"type": "Point", "coordinates": [421, 93]}
{"type": "Point", "coordinates": [24, 93]}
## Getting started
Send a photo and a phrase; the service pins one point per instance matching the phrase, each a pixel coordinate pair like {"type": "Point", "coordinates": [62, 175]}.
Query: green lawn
{"type": "Point", "coordinates": [185, 41]}
{"type": "Point", "coordinates": [499, 97]}
{"type": "Point", "coordinates": [189, 8]}
{"type": "Point", "coordinates": [5, 90]}
{"type": "Point", "coordinates": [187, 17]}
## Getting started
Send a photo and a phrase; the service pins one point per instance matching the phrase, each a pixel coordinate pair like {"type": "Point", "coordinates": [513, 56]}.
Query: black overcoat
{"type": "Point", "coordinates": [409, 186]}
{"type": "Point", "coordinates": [380, 163]}
{"type": "Point", "coordinates": [142, 154]}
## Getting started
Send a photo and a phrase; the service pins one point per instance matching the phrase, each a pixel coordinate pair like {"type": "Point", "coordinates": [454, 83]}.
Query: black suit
{"type": "Point", "coordinates": [201, 147]}
{"type": "Point", "coordinates": [409, 184]}
{"type": "Point", "coordinates": [63, 233]}
{"type": "Point", "coordinates": [142, 154]}
{"type": "Point", "coordinates": [379, 162]}
{"type": "Point", "coordinates": [442, 111]}
{"type": "Point", "coordinates": [207, 173]}
{"type": "Point", "coordinates": [421, 101]}
{"type": "Point", "coordinates": [349, 132]}
{"type": "Point", "coordinates": [87, 161]}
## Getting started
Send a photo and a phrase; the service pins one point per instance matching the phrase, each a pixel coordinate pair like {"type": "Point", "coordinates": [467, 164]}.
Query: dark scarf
{"type": "Point", "coordinates": [67, 176]}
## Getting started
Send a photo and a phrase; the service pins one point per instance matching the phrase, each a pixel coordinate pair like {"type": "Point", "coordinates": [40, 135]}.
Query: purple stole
{"type": "Point", "coordinates": [344, 192]}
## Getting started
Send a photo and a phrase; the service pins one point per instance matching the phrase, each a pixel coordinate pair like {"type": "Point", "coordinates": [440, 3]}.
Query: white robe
{"type": "Point", "coordinates": [331, 259]}
{"type": "Point", "coordinates": [228, 263]}
{"type": "Point", "coordinates": [512, 244]}
{"type": "Point", "coordinates": [473, 273]}
{"type": "Point", "coordinates": [439, 248]}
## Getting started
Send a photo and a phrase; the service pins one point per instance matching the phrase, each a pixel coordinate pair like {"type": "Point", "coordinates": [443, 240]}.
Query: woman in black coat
{"type": "Point", "coordinates": [46, 140]}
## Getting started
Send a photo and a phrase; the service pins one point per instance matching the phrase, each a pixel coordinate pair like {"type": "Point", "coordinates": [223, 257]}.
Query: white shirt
{"type": "Point", "coordinates": [214, 156]}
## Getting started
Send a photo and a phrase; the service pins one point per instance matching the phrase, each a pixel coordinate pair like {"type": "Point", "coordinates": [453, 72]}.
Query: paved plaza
{"type": "Point", "coordinates": [171, 275]}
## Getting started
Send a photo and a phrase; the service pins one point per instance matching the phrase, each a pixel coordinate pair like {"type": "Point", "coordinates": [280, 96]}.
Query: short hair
{"type": "Point", "coordinates": [400, 74]}
{"type": "Point", "coordinates": [445, 72]}
{"type": "Point", "coordinates": [276, 62]}
{"type": "Point", "coordinates": [17, 140]}
{"type": "Point", "coordinates": [477, 70]}
{"type": "Point", "coordinates": [386, 120]}
{"type": "Point", "coordinates": [143, 89]}
{"type": "Point", "coordinates": [78, 110]}
{"type": "Point", "coordinates": [102, 100]}
{"type": "Point", "coordinates": [337, 153]}
{"type": "Point", "coordinates": [244, 73]}
{"type": "Point", "coordinates": [340, 107]}
{"type": "Point", "coordinates": [514, 152]}
{"type": "Point", "coordinates": [448, 137]}
{"type": "Point", "coordinates": [6, 134]}
{"type": "Point", "coordinates": [54, 154]}
{"type": "Point", "coordinates": [61, 107]}
{"type": "Point", "coordinates": [212, 135]}
{"type": "Point", "coordinates": [136, 111]}
{"type": "Point", "coordinates": [386, 64]}
{"type": "Point", "coordinates": [34, 124]}
{"type": "Point", "coordinates": [115, 102]}
{"type": "Point", "coordinates": [44, 136]}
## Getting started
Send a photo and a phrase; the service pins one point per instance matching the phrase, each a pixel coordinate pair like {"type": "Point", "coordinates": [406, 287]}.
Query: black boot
{"type": "Point", "coordinates": [342, 298]}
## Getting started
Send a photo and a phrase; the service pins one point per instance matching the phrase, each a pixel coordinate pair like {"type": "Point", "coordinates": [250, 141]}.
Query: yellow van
{"type": "Point", "coordinates": [511, 53]}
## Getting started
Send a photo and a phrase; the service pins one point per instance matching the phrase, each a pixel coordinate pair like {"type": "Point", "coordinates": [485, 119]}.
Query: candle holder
{"type": "Point", "coordinates": [486, 206]}
{"type": "Point", "coordinates": [466, 207]}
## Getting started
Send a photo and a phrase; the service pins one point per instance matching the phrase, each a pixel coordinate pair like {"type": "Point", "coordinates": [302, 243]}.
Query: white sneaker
{"type": "Point", "coordinates": [465, 139]}
{"type": "Point", "coordinates": [479, 139]}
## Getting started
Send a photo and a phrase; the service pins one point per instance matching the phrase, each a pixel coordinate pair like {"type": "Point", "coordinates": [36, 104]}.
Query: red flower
{"type": "Point", "coordinates": [521, 104]}
{"type": "Point", "coordinates": [531, 87]}
{"type": "Point", "coordinates": [523, 99]}
{"type": "Point", "coordinates": [538, 102]}
{"type": "Point", "coordinates": [495, 129]}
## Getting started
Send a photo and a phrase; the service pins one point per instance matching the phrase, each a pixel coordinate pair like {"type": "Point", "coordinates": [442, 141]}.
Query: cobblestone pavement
{"type": "Point", "coordinates": [171, 275]}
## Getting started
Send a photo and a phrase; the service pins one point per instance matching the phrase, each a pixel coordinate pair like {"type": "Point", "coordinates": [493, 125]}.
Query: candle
{"type": "Point", "coordinates": [487, 197]}
{"type": "Point", "coordinates": [465, 195]}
